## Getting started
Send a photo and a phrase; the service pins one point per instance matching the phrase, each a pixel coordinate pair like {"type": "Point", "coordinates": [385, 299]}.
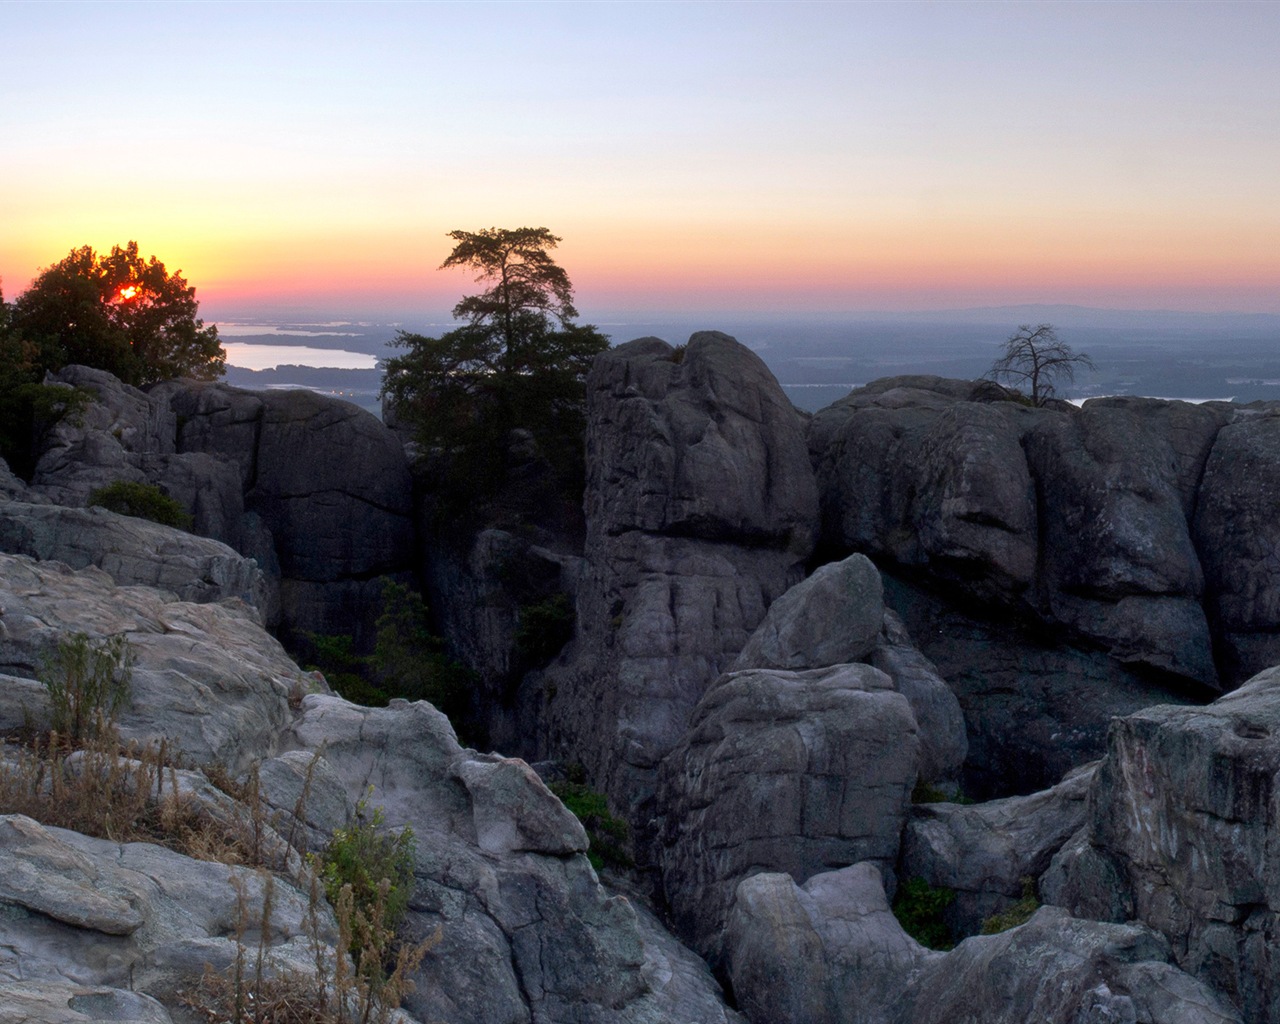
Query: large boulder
{"type": "Point", "coordinates": [1183, 831]}
{"type": "Point", "coordinates": [1238, 536]}
{"type": "Point", "coordinates": [701, 510]}
{"type": "Point", "coordinates": [782, 771]}
{"type": "Point", "coordinates": [326, 480]}
{"type": "Point", "coordinates": [1075, 519]}
{"type": "Point", "coordinates": [831, 618]}
{"type": "Point", "coordinates": [133, 925]}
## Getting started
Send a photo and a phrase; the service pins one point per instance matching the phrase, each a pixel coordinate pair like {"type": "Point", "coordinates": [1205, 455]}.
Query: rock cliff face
{"type": "Point", "coordinates": [1182, 833]}
{"type": "Point", "coordinates": [1132, 527]}
{"type": "Point", "coordinates": [314, 489]}
{"type": "Point", "coordinates": [701, 510]}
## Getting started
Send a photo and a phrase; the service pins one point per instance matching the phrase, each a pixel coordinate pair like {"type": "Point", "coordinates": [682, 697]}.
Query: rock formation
{"type": "Point", "coordinates": [314, 489]}
{"type": "Point", "coordinates": [701, 510]}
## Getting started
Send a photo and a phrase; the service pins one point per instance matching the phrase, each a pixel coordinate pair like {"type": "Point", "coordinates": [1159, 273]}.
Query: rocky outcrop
{"type": "Point", "coordinates": [314, 489]}
{"type": "Point", "coordinates": [701, 510]}
{"type": "Point", "coordinates": [1182, 836]}
{"type": "Point", "coordinates": [782, 771]}
{"type": "Point", "coordinates": [831, 952]}
{"type": "Point", "coordinates": [527, 931]}
{"type": "Point", "coordinates": [131, 925]}
{"type": "Point", "coordinates": [207, 678]}
{"type": "Point", "coordinates": [1238, 537]}
{"type": "Point", "coordinates": [986, 853]}
{"type": "Point", "coordinates": [1078, 519]}
{"type": "Point", "coordinates": [135, 552]}
{"type": "Point", "coordinates": [328, 481]}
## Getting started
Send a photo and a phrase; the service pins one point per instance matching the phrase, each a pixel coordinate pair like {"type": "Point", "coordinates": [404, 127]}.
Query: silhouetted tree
{"type": "Point", "coordinates": [518, 361]}
{"type": "Point", "coordinates": [120, 313]}
{"type": "Point", "coordinates": [1034, 358]}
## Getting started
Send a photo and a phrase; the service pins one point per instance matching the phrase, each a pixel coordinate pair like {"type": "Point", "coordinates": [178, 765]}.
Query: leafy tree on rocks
{"type": "Point", "coordinates": [120, 313]}
{"type": "Point", "coordinates": [1035, 358]}
{"type": "Point", "coordinates": [518, 361]}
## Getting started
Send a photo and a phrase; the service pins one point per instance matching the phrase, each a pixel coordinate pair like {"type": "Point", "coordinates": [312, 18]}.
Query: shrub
{"type": "Point", "coordinates": [919, 908]}
{"type": "Point", "coordinates": [409, 660]}
{"type": "Point", "coordinates": [144, 501]}
{"type": "Point", "coordinates": [544, 628]}
{"type": "Point", "coordinates": [263, 993]}
{"type": "Point", "coordinates": [375, 868]}
{"type": "Point", "coordinates": [88, 682]}
{"type": "Point", "coordinates": [1017, 914]}
{"type": "Point", "coordinates": [608, 835]}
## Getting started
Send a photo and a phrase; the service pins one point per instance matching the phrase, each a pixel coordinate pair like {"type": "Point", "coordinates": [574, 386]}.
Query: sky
{"type": "Point", "coordinates": [308, 159]}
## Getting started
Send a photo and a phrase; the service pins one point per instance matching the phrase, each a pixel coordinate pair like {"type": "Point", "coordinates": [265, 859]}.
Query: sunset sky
{"type": "Point", "coordinates": [309, 158]}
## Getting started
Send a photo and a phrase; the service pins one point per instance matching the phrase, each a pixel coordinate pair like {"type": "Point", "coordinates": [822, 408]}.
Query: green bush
{"type": "Point", "coordinates": [144, 501]}
{"type": "Point", "coordinates": [608, 835]}
{"type": "Point", "coordinates": [377, 866]}
{"type": "Point", "coordinates": [1017, 914]}
{"type": "Point", "coordinates": [919, 908]}
{"type": "Point", "coordinates": [88, 682]}
{"type": "Point", "coordinates": [544, 628]}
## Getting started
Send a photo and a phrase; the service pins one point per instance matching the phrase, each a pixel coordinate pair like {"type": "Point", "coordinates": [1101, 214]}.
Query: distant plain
{"type": "Point", "coordinates": [819, 359]}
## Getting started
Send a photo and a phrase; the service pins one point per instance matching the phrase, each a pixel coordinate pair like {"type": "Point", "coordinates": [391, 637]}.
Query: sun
{"type": "Point", "coordinates": [129, 291]}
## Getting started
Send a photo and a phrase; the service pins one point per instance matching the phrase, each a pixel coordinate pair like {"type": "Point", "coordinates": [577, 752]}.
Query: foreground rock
{"type": "Point", "coordinates": [132, 925]}
{"type": "Point", "coordinates": [528, 933]}
{"type": "Point", "coordinates": [207, 678]}
{"type": "Point", "coordinates": [701, 509]}
{"type": "Point", "coordinates": [1182, 833]}
{"type": "Point", "coordinates": [832, 951]}
{"type": "Point", "coordinates": [134, 551]}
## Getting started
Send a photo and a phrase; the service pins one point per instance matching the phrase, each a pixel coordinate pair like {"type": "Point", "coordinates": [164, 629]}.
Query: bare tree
{"type": "Point", "coordinates": [1035, 357]}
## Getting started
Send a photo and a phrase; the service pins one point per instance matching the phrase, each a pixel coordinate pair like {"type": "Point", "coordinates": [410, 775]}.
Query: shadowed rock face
{"type": "Point", "coordinates": [1059, 566]}
{"type": "Point", "coordinates": [313, 488]}
{"type": "Point", "coordinates": [1182, 835]}
{"type": "Point", "coordinates": [701, 509]}
{"type": "Point", "coordinates": [1078, 519]}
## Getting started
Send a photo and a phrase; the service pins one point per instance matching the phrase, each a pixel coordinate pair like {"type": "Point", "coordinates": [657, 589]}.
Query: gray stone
{"type": "Point", "coordinates": [782, 771]}
{"type": "Point", "coordinates": [701, 509]}
{"type": "Point", "coordinates": [1238, 537]}
{"type": "Point", "coordinates": [831, 618]}
{"type": "Point", "coordinates": [1057, 969]}
{"type": "Point", "coordinates": [829, 951]}
{"type": "Point", "coordinates": [832, 953]}
{"type": "Point", "coordinates": [1184, 808]}
{"type": "Point", "coordinates": [207, 678]}
{"type": "Point", "coordinates": [943, 740]}
{"type": "Point", "coordinates": [985, 852]}
{"type": "Point", "coordinates": [527, 931]}
{"type": "Point", "coordinates": [133, 551]}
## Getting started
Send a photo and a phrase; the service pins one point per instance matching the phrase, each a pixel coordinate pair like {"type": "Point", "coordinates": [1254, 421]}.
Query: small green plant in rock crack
{"type": "Point", "coordinates": [1019, 913]}
{"type": "Point", "coordinates": [919, 908]}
